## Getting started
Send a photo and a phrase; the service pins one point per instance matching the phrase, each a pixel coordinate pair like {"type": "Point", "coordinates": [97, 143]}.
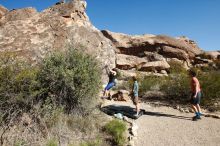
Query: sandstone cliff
{"type": "Point", "coordinates": [33, 35]}
{"type": "Point", "coordinates": [155, 52]}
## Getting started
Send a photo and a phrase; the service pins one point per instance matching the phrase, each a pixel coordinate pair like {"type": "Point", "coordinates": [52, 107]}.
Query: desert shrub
{"type": "Point", "coordinates": [150, 83]}
{"type": "Point", "coordinates": [19, 85]}
{"type": "Point", "coordinates": [210, 84]}
{"type": "Point", "coordinates": [117, 130]}
{"type": "Point", "coordinates": [50, 113]}
{"type": "Point", "coordinates": [68, 81]}
{"type": "Point", "coordinates": [176, 68]}
{"type": "Point", "coordinates": [20, 143]}
{"type": "Point", "coordinates": [217, 63]}
{"type": "Point", "coordinates": [96, 142]}
{"type": "Point", "coordinates": [84, 124]}
{"type": "Point", "coordinates": [72, 78]}
{"type": "Point", "coordinates": [176, 86]}
{"type": "Point", "coordinates": [52, 142]}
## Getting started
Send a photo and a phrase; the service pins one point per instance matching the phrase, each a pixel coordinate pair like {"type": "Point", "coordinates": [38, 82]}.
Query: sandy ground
{"type": "Point", "coordinates": [165, 126]}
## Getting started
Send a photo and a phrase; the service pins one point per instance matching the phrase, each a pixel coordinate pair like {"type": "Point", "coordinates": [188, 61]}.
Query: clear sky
{"type": "Point", "coordinates": [197, 19]}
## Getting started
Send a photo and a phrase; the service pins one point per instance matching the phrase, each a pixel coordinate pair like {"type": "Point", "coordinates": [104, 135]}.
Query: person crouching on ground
{"type": "Point", "coordinates": [135, 95]}
{"type": "Point", "coordinates": [112, 77]}
{"type": "Point", "coordinates": [195, 95]}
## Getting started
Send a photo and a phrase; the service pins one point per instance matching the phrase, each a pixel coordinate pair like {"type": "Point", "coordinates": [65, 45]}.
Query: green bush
{"type": "Point", "coordinates": [117, 130]}
{"type": "Point", "coordinates": [217, 63]}
{"type": "Point", "coordinates": [63, 82]}
{"type": "Point", "coordinates": [176, 68]}
{"type": "Point", "coordinates": [210, 84]}
{"type": "Point", "coordinates": [20, 143]}
{"type": "Point", "coordinates": [72, 78]}
{"type": "Point", "coordinates": [50, 113]}
{"type": "Point", "coordinates": [150, 83]}
{"type": "Point", "coordinates": [84, 124]}
{"type": "Point", "coordinates": [97, 142]}
{"type": "Point", "coordinates": [69, 80]}
{"type": "Point", "coordinates": [19, 85]}
{"type": "Point", "coordinates": [52, 142]}
{"type": "Point", "coordinates": [177, 86]}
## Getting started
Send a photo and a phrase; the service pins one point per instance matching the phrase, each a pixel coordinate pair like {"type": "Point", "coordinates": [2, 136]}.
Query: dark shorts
{"type": "Point", "coordinates": [110, 85]}
{"type": "Point", "coordinates": [195, 101]}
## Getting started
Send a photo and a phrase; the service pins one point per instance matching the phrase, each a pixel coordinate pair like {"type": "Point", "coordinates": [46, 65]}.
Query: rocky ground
{"type": "Point", "coordinates": [162, 125]}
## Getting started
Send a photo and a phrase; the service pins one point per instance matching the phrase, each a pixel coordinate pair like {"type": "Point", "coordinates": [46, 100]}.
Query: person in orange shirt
{"type": "Point", "coordinates": [196, 95]}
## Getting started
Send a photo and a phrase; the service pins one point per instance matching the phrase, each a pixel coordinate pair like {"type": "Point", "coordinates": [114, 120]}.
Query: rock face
{"type": "Point", "coordinates": [151, 52]}
{"type": "Point", "coordinates": [34, 35]}
{"type": "Point", "coordinates": [3, 11]}
{"type": "Point", "coordinates": [212, 55]}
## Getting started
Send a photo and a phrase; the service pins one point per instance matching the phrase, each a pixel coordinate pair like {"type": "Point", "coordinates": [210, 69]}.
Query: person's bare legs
{"type": "Point", "coordinates": [194, 108]}
{"type": "Point", "coordinates": [199, 111]}
{"type": "Point", "coordinates": [196, 111]}
{"type": "Point", "coordinates": [137, 108]}
{"type": "Point", "coordinates": [198, 108]}
{"type": "Point", "coordinates": [105, 93]}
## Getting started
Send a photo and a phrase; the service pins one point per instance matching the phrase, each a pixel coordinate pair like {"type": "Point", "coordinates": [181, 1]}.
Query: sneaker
{"type": "Point", "coordinates": [137, 114]}
{"type": "Point", "coordinates": [198, 117]}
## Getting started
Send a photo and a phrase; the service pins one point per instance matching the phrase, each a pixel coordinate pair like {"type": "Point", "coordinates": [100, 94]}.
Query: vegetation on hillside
{"type": "Point", "coordinates": [55, 97]}
{"type": "Point", "coordinates": [176, 87]}
{"type": "Point", "coordinates": [117, 130]}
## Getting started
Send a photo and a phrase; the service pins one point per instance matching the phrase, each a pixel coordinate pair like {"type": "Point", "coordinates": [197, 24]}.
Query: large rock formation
{"type": "Point", "coordinates": [212, 55]}
{"type": "Point", "coordinates": [151, 52]}
{"type": "Point", "coordinates": [33, 35]}
{"type": "Point", "coordinates": [3, 11]}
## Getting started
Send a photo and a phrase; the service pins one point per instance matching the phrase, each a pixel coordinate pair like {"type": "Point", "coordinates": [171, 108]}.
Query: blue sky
{"type": "Point", "coordinates": [197, 19]}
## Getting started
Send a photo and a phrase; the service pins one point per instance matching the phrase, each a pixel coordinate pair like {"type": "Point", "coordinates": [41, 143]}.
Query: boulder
{"type": "Point", "coordinates": [155, 66]}
{"type": "Point", "coordinates": [184, 64]}
{"type": "Point", "coordinates": [169, 52]}
{"type": "Point", "coordinates": [128, 74]}
{"type": "Point", "coordinates": [183, 49]}
{"type": "Point", "coordinates": [33, 35]}
{"type": "Point", "coordinates": [188, 41]}
{"type": "Point", "coordinates": [122, 95]}
{"type": "Point", "coordinates": [153, 56]}
{"type": "Point", "coordinates": [3, 11]}
{"type": "Point", "coordinates": [163, 72]}
{"type": "Point", "coordinates": [19, 14]}
{"type": "Point", "coordinates": [199, 60]}
{"type": "Point", "coordinates": [127, 62]}
{"type": "Point", "coordinates": [213, 55]}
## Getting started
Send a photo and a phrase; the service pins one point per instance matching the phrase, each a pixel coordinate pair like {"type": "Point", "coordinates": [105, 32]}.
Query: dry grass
{"type": "Point", "coordinates": [67, 130]}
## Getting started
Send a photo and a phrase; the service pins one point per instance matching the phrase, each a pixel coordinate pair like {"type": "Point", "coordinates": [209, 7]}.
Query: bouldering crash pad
{"type": "Point", "coordinates": [124, 110]}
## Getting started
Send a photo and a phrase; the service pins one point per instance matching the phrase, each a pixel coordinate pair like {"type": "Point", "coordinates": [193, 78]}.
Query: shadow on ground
{"type": "Point", "coordinates": [166, 115]}
{"type": "Point", "coordinates": [131, 113]}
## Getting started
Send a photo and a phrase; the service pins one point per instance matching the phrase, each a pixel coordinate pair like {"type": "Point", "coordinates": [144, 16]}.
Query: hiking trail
{"type": "Point", "coordinates": [165, 126]}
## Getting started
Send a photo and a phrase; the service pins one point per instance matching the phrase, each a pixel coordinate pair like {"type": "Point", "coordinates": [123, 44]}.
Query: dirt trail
{"type": "Point", "coordinates": [165, 126]}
